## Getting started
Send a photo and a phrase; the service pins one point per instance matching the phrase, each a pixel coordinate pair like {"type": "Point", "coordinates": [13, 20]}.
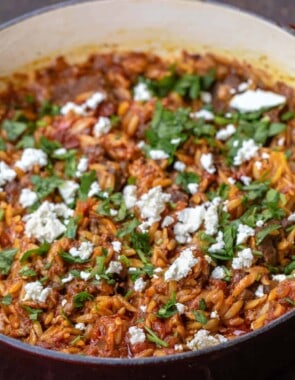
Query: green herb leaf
{"type": "Point", "coordinates": [287, 116]}
{"type": "Point", "coordinates": [81, 298]}
{"type": "Point", "coordinates": [290, 301]}
{"type": "Point", "coordinates": [33, 313]}
{"type": "Point", "coordinates": [48, 108]}
{"type": "Point", "coordinates": [6, 260]}
{"type": "Point", "coordinates": [86, 181]}
{"type": "Point", "coordinates": [42, 250]}
{"type": "Point", "coordinates": [27, 272]}
{"type": "Point", "coordinates": [44, 186]}
{"type": "Point", "coordinates": [202, 304]}
{"type": "Point", "coordinates": [261, 235]}
{"type": "Point", "coordinates": [49, 146]}
{"type": "Point", "coordinates": [14, 129]}
{"type": "Point", "coordinates": [140, 242]}
{"type": "Point", "coordinates": [152, 337]}
{"type": "Point", "coordinates": [72, 226]}
{"type": "Point", "coordinates": [129, 227]}
{"type": "Point", "coordinates": [200, 316]}
{"type": "Point", "coordinates": [2, 144]}
{"type": "Point", "coordinates": [185, 178]}
{"type": "Point", "coordinates": [276, 128]}
{"type": "Point", "coordinates": [289, 268]}
{"type": "Point", "coordinates": [169, 309]}
{"type": "Point", "coordinates": [6, 300]}
{"type": "Point", "coordinates": [71, 259]}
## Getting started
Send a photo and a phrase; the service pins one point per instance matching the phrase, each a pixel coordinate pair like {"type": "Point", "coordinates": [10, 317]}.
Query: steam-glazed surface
{"type": "Point", "coordinates": [147, 206]}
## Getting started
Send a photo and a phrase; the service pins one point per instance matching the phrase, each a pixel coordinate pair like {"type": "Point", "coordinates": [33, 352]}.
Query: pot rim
{"type": "Point", "coordinates": [127, 362]}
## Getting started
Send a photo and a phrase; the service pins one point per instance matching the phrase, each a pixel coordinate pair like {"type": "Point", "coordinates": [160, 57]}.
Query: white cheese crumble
{"type": "Point", "coordinates": [35, 292]}
{"type": "Point", "coordinates": [244, 86]}
{"type": "Point", "coordinates": [243, 260]}
{"type": "Point", "coordinates": [27, 197]}
{"type": "Point", "coordinates": [85, 275]}
{"type": "Point", "coordinates": [6, 174]}
{"type": "Point", "coordinates": [214, 314]}
{"type": "Point", "coordinates": [68, 191]}
{"type": "Point", "coordinates": [94, 189]}
{"type": "Point", "coordinates": [63, 302]}
{"type": "Point", "coordinates": [251, 101]}
{"type": "Point", "coordinates": [207, 163]}
{"type": "Point", "coordinates": [176, 141]}
{"type": "Point", "coordinates": [139, 285]}
{"type": "Point", "coordinates": [193, 188]}
{"type": "Point", "coordinates": [117, 246]}
{"type": "Point", "coordinates": [259, 291]}
{"type": "Point", "coordinates": [244, 232]}
{"type": "Point", "coordinates": [167, 221]}
{"type": "Point", "coordinates": [279, 277]}
{"type": "Point", "coordinates": [73, 107]}
{"type": "Point", "coordinates": [247, 151]}
{"type": "Point", "coordinates": [225, 133]}
{"type": "Point", "coordinates": [260, 223]}
{"type": "Point", "coordinates": [180, 307]}
{"type": "Point", "coordinates": [291, 218]}
{"type": "Point", "coordinates": [31, 157]}
{"type": "Point", "coordinates": [102, 126]}
{"type": "Point", "coordinates": [114, 267]}
{"type": "Point", "coordinates": [80, 326]}
{"type": "Point", "coordinates": [179, 166]}
{"type": "Point", "coordinates": [203, 114]}
{"type": "Point", "coordinates": [211, 217]}
{"type": "Point", "coordinates": [219, 245]}
{"type": "Point", "coordinates": [84, 251]}
{"type": "Point", "coordinates": [189, 221]}
{"type": "Point", "coordinates": [265, 156]}
{"type": "Point", "coordinates": [152, 204]}
{"type": "Point", "coordinates": [136, 335]}
{"type": "Point", "coordinates": [82, 166]}
{"type": "Point", "coordinates": [181, 267]}
{"type": "Point", "coordinates": [218, 273]}
{"type": "Point", "coordinates": [60, 151]}
{"type": "Point", "coordinates": [246, 180]}
{"type": "Point", "coordinates": [44, 223]}
{"type": "Point", "coordinates": [68, 278]}
{"type": "Point", "coordinates": [203, 339]}
{"type": "Point", "coordinates": [143, 308]}
{"type": "Point", "coordinates": [178, 347]}
{"type": "Point", "coordinates": [141, 93]}
{"type": "Point", "coordinates": [129, 196]}
{"type": "Point", "coordinates": [258, 165]}
{"type": "Point", "coordinates": [206, 97]}
{"type": "Point", "coordinates": [95, 99]}
{"type": "Point", "coordinates": [91, 103]}
{"type": "Point", "coordinates": [157, 154]}
{"type": "Point", "coordinates": [231, 180]}
{"type": "Point", "coordinates": [113, 212]}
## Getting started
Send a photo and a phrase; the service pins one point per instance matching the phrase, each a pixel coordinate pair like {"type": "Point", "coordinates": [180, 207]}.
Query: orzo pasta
{"type": "Point", "coordinates": [146, 205]}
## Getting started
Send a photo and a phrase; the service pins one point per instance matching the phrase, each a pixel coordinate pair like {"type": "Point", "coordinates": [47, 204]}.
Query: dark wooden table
{"type": "Point", "coordinates": [279, 11]}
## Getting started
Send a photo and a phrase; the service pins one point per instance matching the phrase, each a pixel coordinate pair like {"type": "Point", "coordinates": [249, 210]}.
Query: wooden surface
{"type": "Point", "coordinates": [280, 11]}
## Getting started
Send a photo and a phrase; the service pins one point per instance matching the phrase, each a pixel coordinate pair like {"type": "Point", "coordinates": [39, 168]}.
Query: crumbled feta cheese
{"type": "Point", "coordinates": [176, 141]}
{"type": "Point", "coordinates": [243, 260]}
{"type": "Point", "coordinates": [206, 97]}
{"type": "Point", "coordinates": [139, 285]}
{"type": "Point", "coordinates": [102, 126]}
{"type": "Point", "coordinates": [203, 339]}
{"type": "Point", "coordinates": [279, 277]}
{"type": "Point", "coordinates": [214, 314]}
{"type": "Point", "coordinates": [82, 166]}
{"type": "Point", "coordinates": [179, 166]}
{"type": "Point", "coordinates": [247, 151]}
{"type": "Point", "coordinates": [143, 308]}
{"type": "Point", "coordinates": [114, 267]}
{"type": "Point", "coordinates": [259, 291]}
{"type": "Point", "coordinates": [68, 278]}
{"type": "Point", "coordinates": [117, 246]}
{"type": "Point", "coordinates": [225, 133]}
{"type": "Point", "coordinates": [218, 273]}
{"type": "Point", "coordinates": [73, 107]}
{"type": "Point", "coordinates": [68, 191]}
{"type": "Point", "coordinates": [85, 275]}
{"type": "Point", "coordinates": [44, 223]}
{"type": "Point", "coordinates": [167, 221]}
{"type": "Point", "coordinates": [94, 189]}
{"type": "Point", "coordinates": [189, 221]}
{"type": "Point", "coordinates": [80, 326]}
{"type": "Point", "coordinates": [35, 292]}
{"type": "Point", "coordinates": [203, 114]}
{"type": "Point", "coordinates": [27, 197]}
{"type": "Point", "coordinates": [113, 212]}
{"type": "Point", "coordinates": [281, 141]}
{"type": "Point", "coordinates": [136, 335]}
{"type": "Point", "coordinates": [180, 307]}
{"type": "Point", "coordinates": [244, 86]}
{"type": "Point", "coordinates": [246, 180]}
{"type": "Point", "coordinates": [291, 218]}
{"type": "Point", "coordinates": [231, 180]}
{"type": "Point", "coordinates": [129, 196]}
{"type": "Point", "coordinates": [141, 144]}
{"type": "Point", "coordinates": [258, 165]}
{"type": "Point", "coordinates": [144, 227]}
{"type": "Point", "coordinates": [63, 302]}
{"type": "Point", "coordinates": [244, 232]}
{"type": "Point", "coordinates": [157, 154]}
{"type": "Point", "coordinates": [265, 156]}
{"type": "Point", "coordinates": [219, 245]}
{"type": "Point", "coordinates": [260, 223]}
{"type": "Point", "coordinates": [178, 347]}
{"type": "Point", "coordinates": [60, 152]}
{"type": "Point", "coordinates": [251, 101]}
{"type": "Point", "coordinates": [6, 174]}
{"type": "Point", "coordinates": [31, 157]}
{"type": "Point", "coordinates": [141, 93]}
{"type": "Point", "coordinates": [193, 188]}
{"type": "Point", "coordinates": [84, 251]}
{"type": "Point", "coordinates": [95, 99]}
{"type": "Point", "coordinates": [225, 204]}
{"type": "Point", "coordinates": [207, 163]}
{"type": "Point", "coordinates": [181, 267]}
{"type": "Point", "coordinates": [211, 217]}
{"type": "Point", "coordinates": [235, 143]}
{"type": "Point", "coordinates": [152, 204]}
{"type": "Point", "coordinates": [208, 259]}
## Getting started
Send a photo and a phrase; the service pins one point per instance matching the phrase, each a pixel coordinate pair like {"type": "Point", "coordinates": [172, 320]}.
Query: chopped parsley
{"type": "Point", "coordinates": [72, 226]}
{"type": "Point", "coordinates": [81, 298]}
{"type": "Point", "coordinates": [261, 235]}
{"type": "Point", "coordinates": [152, 337]}
{"type": "Point", "coordinates": [14, 129]}
{"type": "Point", "coordinates": [42, 250]}
{"type": "Point", "coordinates": [184, 179]}
{"type": "Point", "coordinates": [71, 259]}
{"type": "Point", "coordinates": [44, 186]}
{"type": "Point", "coordinates": [27, 272]}
{"type": "Point", "coordinates": [6, 300]}
{"type": "Point", "coordinates": [33, 313]}
{"type": "Point", "coordinates": [200, 317]}
{"type": "Point", "coordinates": [86, 181]}
{"type": "Point", "coordinates": [169, 309]}
{"type": "Point", "coordinates": [6, 260]}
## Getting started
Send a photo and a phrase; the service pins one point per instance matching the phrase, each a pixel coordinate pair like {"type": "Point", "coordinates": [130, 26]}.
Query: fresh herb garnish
{"type": "Point", "coordinates": [6, 260]}
{"type": "Point", "coordinates": [49, 146]}
{"type": "Point", "coordinates": [81, 298]}
{"type": "Point", "coordinates": [43, 249]}
{"type": "Point", "coordinates": [290, 301]}
{"type": "Point", "coordinates": [169, 309]}
{"type": "Point", "coordinates": [14, 129]}
{"type": "Point", "coordinates": [200, 317]}
{"type": "Point", "coordinates": [44, 186]}
{"type": "Point", "coordinates": [152, 337]}
{"type": "Point", "coordinates": [25, 142]}
{"type": "Point", "coordinates": [33, 313]}
{"type": "Point", "coordinates": [72, 226]}
{"type": "Point", "coordinates": [48, 108]}
{"type": "Point", "coordinates": [128, 228]}
{"type": "Point", "coordinates": [71, 259]}
{"type": "Point", "coordinates": [202, 304]}
{"type": "Point", "coordinates": [86, 181]}
{"type": "Point", "coordinates": [2, 144]}
{"type": "Point", "coordinates": [185, 178]}
{"type": "Point", "coordinates": [27, 272]}
{"type": "Point", "coordinates": [6, 300]}
{"type": "Point", "coordinates": [261, 235]}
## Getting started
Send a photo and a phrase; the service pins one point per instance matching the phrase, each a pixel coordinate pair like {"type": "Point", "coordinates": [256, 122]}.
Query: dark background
{"type": "Point", "coordinates": [279, 11]}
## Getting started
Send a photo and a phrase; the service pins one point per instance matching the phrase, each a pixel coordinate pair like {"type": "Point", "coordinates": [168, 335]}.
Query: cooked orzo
{"type": "Point", "coordinates": [146, 205]}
